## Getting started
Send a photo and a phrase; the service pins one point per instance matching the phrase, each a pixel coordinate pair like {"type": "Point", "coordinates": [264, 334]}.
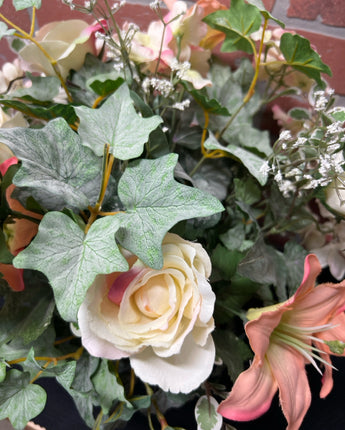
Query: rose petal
{"type": "Point", "coordinates": [183, 372]}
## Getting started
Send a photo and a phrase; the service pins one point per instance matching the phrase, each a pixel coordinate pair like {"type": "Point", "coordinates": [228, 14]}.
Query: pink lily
{"type": "Point", "coordinates": [284, 338]}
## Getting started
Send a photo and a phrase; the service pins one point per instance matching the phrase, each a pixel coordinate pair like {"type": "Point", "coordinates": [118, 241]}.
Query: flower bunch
{"type": "Point", "coordinates": [154, 235]}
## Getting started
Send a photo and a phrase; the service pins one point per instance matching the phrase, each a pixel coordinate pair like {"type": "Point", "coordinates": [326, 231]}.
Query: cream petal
{"type": "Point", "coordinates": [179, 373]}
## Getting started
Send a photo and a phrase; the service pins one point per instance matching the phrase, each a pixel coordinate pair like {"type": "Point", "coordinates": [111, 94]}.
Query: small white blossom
{"type": "Point", "coordinates": [285, 135]}
{"type": "Point", "coordinates": [265, 168]}
{"type": "Point", "coordinates": [155, 4]}
{"type": "Point", "coordinates": [180, 68]}
{"type": "Point", "coordinates": [181, 105]}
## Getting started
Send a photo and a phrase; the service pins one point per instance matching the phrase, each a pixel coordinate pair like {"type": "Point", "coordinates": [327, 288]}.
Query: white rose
{"type": "Point", "coordinates": [160, 319]}
{"type": "Point", "coordinates": [67, 42]}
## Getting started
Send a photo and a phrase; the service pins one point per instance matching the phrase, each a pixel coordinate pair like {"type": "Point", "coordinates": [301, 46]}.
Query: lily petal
{"type": "Point", "coordinates": [294, 393]}
{"type": "Point", "coordinates": [252, 393]}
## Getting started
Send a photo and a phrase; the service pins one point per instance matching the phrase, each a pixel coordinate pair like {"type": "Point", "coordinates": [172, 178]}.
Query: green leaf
{"type": "Point", "coordinates": [70, 259]}
{"type": "Point", "coordinates": [24, 4]}
{"type": "Point", "coordinates": [233, 351]}
{"type": "Point", "coordinates": [26, 314]}
{"type": "Point", "coordinates": [299, 55]}
{"type": "Point", "coordinates": [212, 106]}
{"type": "Point", "coordinates": [5, 256]}
{"type": "Point", "coordinates": [338, 113]}
{"type": "Point", "coordinates": [294, 255]}
{"type": "Point", "coordinates": [22, 401]}
{"type": "Point", "coordinates": [206, 414]}
{"type": "Point", "coordinates": [58, 171]}
{"type": "Point", "coordinates": [154, 203]}
{"type": "Point", "coordinates": [252, 162]}
{"type": "Point", "coordinates": [259, 4]}
{"type": "Point", "coordinates": [3, 367]}
{"type": "Point", "coordinates": [136, 403]}
{"type": "Point", "coordinates": [5, 31]}
{"type": "Point", "coordinates": [116, 123]}
{"type": "Point", "coordinates": [299, 114]}
{"type": "Point", "coordinates": [47, 113]}
{"type": "Point", "coordinates": [44, 88]}
{"type": "Point", "coordinates": [105, 84]}
{"type": "Point", "coordinates": [237, 23]}
{"type": "Point", "coordinates": [108, 387]}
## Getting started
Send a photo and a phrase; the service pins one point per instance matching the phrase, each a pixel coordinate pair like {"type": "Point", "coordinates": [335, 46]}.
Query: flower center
{"type": "Point", "coordinates": [302, 339]}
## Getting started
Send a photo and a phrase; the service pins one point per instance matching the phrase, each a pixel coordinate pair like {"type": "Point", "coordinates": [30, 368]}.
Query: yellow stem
{"type": "Point", "coordinates": [76, 355]}
{"type": "Point", "coordinates": [251, 90]}
{"type": "Point", "coordinates": [95, 211]}
{"type": "Point", "coordinates": [97, 101]}
{"type": "Point", "coordinates": [44, 52]}
{"type": "Point", "coordinates": [33, 18]}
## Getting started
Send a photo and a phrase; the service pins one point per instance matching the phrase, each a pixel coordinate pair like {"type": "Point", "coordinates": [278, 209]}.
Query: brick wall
{"type": "Point", "coordinates": [322, 22]}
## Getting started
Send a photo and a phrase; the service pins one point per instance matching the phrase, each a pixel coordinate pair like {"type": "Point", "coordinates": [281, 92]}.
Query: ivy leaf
{"type": "Point", "coordinates": [237, 23]}
{"type": "Point", "coordinates": [206, 414]}
{"type": "Point", "coordinates": [56, 168]}
{"type": "Point", "coordinates": [155, 202]}
{"type": "Point", "coordinates": [5, 31]}
{"type": "Point", "coordinates": [23, 401]}
{"type": "Point", "coordinates": [26, 315]}
{"type": "Point", "coordinates": [44, 88]}
{"type": "Point", "coordinates": [108, 387]}
{"type": "Point", "coordinates": [252, 162]}
{"type": "Point", "coordinates": [116, 123]}
{"type": "Point", "coordinates": [70, 259]}
{"type": "Point", "coordinates": [210, 105]}
{"type": "Point", "coordinates": [24, 4]}
{"type": "Point", "coordinates": [299, 55]}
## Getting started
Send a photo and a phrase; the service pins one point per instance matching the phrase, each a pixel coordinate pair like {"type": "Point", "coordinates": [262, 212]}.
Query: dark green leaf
{"type": "Point", "coordinates": [299, 55]}
{"type": "Point", "coordinates": [237, 24]}
{"type": "Point", "coordinates": [26, 314]}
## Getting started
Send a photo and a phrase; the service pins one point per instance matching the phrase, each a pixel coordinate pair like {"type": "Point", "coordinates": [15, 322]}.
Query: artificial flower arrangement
{"type": "Point", "coordinates": [158, 246]}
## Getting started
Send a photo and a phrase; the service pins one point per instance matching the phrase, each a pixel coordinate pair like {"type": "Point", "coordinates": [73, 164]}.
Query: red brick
{"type": "Point", "coordinates": [332, 12]}
{"type": "Point", "coordinates": [269, 4]}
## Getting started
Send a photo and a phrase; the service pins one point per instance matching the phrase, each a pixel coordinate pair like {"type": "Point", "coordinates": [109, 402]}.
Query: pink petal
{"type": "Point", "coordinates": [319, 306]}
{"type": "Point", "coordinates": [260, 330]}
{"type": "Point", "coordinates": [251, 395]}
{"type": "Point", "coordinates": [294, 393]}
{"type": "Point", "coordinates": [121, 283]}
{"type": "Point", "coordinates": [6, 164]}
{"type": "Point", "coordinates": [312, 269]}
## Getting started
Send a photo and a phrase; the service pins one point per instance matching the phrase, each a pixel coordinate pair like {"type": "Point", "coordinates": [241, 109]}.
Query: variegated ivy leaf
{"type": "Point", "coordinates": [237, 23]}
{"type": "Point", "coordinates": [56, 169]}
{"type": "Point", "coordinates": [154, 203]}
{"type": "Point", "coordinates": [299, 55]}
{"type": "Point", "coordinates": [116, 123]}
{"type": "Point", "coordinates": [24, 4]}
{"type": "Point", "coordinates": [20, 401]}
{"type": "Point", "coordinates": [4, 30]}
{"type": "Point", "coordinates": [251, 161]}
{"type": "Point", "coordinates": [70, 259]}
{"type": "Point", "coordinates": [206, 414]}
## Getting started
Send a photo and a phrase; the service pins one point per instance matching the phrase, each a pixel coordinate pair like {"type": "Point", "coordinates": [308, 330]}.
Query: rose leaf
{"type": "Point", "coordinates": [116, 123]}
{"type": "Point", "coordinates": [70, 259]}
